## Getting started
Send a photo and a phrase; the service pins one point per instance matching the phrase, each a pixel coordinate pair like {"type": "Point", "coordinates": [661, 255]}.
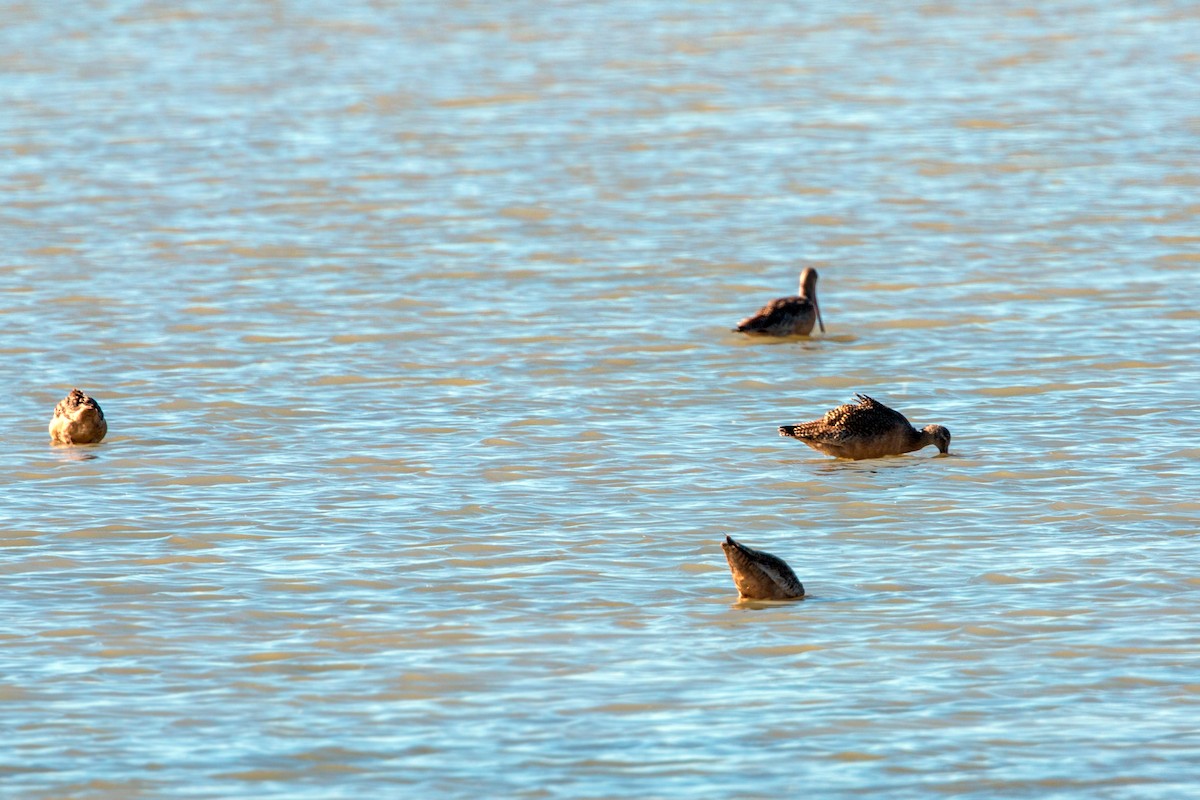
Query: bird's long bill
{"type": "Point", "coordinates": [820, 321]}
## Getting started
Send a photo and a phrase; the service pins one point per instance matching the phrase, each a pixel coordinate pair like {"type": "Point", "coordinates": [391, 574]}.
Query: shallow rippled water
{"type": "Point", "coordinates": [412, 328]}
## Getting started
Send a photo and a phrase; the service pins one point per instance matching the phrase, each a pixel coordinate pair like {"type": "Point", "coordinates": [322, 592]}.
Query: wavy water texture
{"type": "Point", "coordinates": [412, 325]}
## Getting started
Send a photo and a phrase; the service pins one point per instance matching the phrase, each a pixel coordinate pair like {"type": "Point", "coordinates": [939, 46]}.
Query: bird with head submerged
{"type": "Point", "coordinates": [867, 429]}
{"type": "Point", "coordinates": [759, 575]}
{"type": "Point", "coordinates": [788, 316]}
{"type": "Point", "coordinates": [77, 420]}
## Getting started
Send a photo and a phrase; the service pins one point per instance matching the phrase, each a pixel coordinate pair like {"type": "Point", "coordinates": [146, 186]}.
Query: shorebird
{"type": "Point", "coordinates": [759, 575]}
{"type": "Point", "coordinates": [868, 429]}
{"type": "Point", "coordinates": [788, 316]}
{"type": "Point", "coordinates": [77, 420]}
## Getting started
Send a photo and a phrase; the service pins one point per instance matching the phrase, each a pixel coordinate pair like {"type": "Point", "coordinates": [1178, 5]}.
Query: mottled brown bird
{"type": "Point", "coordinates": [868, 429]}
{"type": "Point", "coordinates": [759, 575]}
{"type": "Point", "coordinates": [788, 316]}
{"type": "Point", "coordinates": [77, 420]}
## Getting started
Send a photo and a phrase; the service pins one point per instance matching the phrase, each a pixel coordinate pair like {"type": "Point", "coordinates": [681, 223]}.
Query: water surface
{"type": "Point", "coordinates": [412, 327]}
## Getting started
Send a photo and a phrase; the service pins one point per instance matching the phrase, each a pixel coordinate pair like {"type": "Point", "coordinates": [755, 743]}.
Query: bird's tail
{"type": "Point", "coordinates": [790, 430]}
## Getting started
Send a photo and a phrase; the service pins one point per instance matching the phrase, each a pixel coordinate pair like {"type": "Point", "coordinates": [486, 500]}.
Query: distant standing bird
{"type": "Point", "coordinates": [788, 316]}
{"type": "Point", "coordinates": [866, 430]}
{"type": "Point", "coordinates": [759, 575]}
{"type": "Point", "coordinates": [77, 420]}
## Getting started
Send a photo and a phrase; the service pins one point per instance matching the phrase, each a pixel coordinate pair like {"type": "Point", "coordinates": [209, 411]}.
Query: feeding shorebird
{"type": "Point", "coordinates": [77, 420]}
{"type": "Point", "coordinates": [868, 429]}
{"type": "Point", "coordinates": [788, 316]}
{"type": "Point", "coordinates": [759, 575]}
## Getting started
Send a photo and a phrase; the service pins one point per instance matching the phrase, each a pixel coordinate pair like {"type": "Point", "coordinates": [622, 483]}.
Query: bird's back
{"type": "Point", "coordinates": [759, 575]}
{"type": "Point", "coordinates": [855, 430]}
{"type": "Point", "coordinates": [785, 316]}
{"type": "Point", "coordinates": [78, 419]}
{"type": "Point", "coordinates": [867, 417]}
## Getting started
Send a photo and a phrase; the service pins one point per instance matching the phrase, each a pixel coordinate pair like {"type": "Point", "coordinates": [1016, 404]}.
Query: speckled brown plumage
{"type": "Point", "coordinates": [759, 575]}
{"type": "Point", "coordinates": [77, 420]}
{"type": "Point", "coordinates": [788, 316]}
{"type": "Point", "coordinates": [867, 429]}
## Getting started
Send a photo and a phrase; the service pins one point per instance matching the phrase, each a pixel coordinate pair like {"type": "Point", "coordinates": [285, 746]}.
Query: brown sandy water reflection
{"type": "Point", "coordinates": [412, 328]}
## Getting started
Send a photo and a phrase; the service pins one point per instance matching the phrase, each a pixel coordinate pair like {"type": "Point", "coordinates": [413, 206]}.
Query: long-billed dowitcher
{"type": "Point", "coordinates": [759, 575]}
{"type": "Point", "coordinates": [868, 429]}
{"type": "Point", "coordinates": [788, 316]}
{"type": "Point", "coordinates": [77, 420]}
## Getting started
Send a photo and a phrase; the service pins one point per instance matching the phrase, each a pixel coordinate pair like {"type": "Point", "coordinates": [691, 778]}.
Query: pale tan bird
{"type": "Point", "coordinates": [868, 429]}
{"type": "Point", "coordinates": [77, 420]}
{"type": "Point", "coordinates": [759, 575]}
{"type": "Point", "coordinates": [788, 316]}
